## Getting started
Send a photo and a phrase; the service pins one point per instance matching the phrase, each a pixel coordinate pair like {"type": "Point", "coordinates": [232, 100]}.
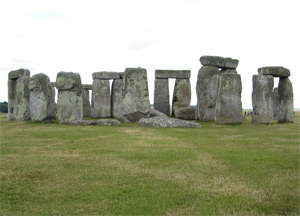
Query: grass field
{"type": "Point", "coordinates": [51, 169]}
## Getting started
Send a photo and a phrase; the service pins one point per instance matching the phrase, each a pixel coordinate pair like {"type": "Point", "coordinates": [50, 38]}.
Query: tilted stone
{"type": "Point", "coordinates": [107, 75]}
{"type": "Point", "coordinates": [87, 87]}
{"type": "Point", "coordinates": [181, 95]}
{"type": "Point", "coordinates": [229, 106]}
{"type": "Point", "coordinates": [274, 71]}
{"type": "Point", "coordinates": [42, 98]}
{"type": "Point", "coordinates": [136, 103]}
{"type": "Point", "coordinates": [262, 99]}
{"type": "Point", "coordinates": [217, 61]}
{"type": "Point", "coordinates": [117, 99]}
{"type": "Point", "coordinates": [188, 113]}
{"type": "Point", "coordinates": [161, 96]}
{"type": "Point", "coordinates": [86, 102]}
{"type": "Point", "coordinates": [207, 92]}
{"type": "Point", "coordinates": [15, 74]}
{"type": "Point", "coordinates": [276, 104]}
{"type": "Point", "coordinates": [166, 122]}
{"type": "Point", "coordinates": [156, 113]}
{"type": "Point", "coordinates": [101, 101]}
{"type": "Point", "coordinates": [286, 99]}
{"type": "Point", "coordinates": [177, 74]}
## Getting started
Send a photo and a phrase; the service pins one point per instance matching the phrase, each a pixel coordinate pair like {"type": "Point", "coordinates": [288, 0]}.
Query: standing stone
{"type": "Point", "coordinates": [42, 98]}
{"type": "Point", "coordinates": [86, 102]}
{"type": "Point", "coordinates": [229, 105]}
{"type": "Point", "coordinates": [18, 95]}
{"type": "Point", "coordinates": [69, 101]}
{"type": "Point", "coordinates": [161, 96]}
{"type": "Point", "coordinates": [207, 92]}
{"type": "Point", "coordinates": [276, 104]}
{"type": "Point", "coordinates": [117, 99]}
{"type": "Point", "coordinates": [286, 99]}
{"type": "Point", "coordinates": [181, 95]}
{"type": "Point", "coordinates": [136, 103]}
{"type": "Point", "coordinates": [101, 102]}
{"type": "Point", "coordinates": [262, 99]}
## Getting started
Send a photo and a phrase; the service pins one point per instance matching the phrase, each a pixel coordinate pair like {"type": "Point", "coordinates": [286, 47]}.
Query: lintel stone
{"type": "Point", "coordinates": [87, 86]}
{"type": "Point", "coordinates": [220, 62]}
{"type": "Point", "coordinates": [15, 74]}
{"type": "Point", "coordinates": [274, 71]}
{"type": "Point", "coordinates": [108, 75]}
{"type": "Point", "coordinates": [177, 74]}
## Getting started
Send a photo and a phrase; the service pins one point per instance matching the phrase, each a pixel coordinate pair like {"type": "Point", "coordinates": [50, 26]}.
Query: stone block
{"type": "Point", "coordinates": [117, 99]}
{"type": "Point", "coordinates": [166, 122]}
{"type": "Point", "coordinates": [286, 99]}
{"type": "Point", "coordinates": [188, 113]}
{"type": "Point", "coordinates": [181, 95]}
{"type": "Point", "coordinates": [161, 96]}
{"type": "Point", "coordinates": [107, 75]}
{"type": "Point", "coordinates": [276, 104]}
{"type": "Point", "coordinates": [220, 62]}
{"type": "Point", "coordinates": [274, 71]}
{"type": "Point", "coordinates": [101, 100]}
{"type": "Point", "coordinates": [176, 74]}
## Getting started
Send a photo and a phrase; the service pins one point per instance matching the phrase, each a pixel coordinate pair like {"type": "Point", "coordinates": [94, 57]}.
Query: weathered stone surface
{"type": "Point", "coordinates": [181, 95]}
{"type": "Point", "coordinates": [161, 96]}
{"type": "Point", "coordinates": [42, 98]}
{"type": "Point", "coordinates": [176, 74]}
{"type": "Point", "coordinates": [101, 101]}
{"type": "Point", "coordinates": [274, 71]}
{"type": "Point", "coordinates": [276, 104]}
{"type": "Point", "coordinates": [166, 122]}
{"type": "Point", "coordinates": [286, 99]}
{"type": "Point", "coordinates": [262, 99]}
{"type": "Point", "coordinates": [188, 113]}
{"type": "Point", "coordinates": [207, 92]}
{"type": "Point", "coordinates": [69, 100]}
{"type": "Point", "coordinates": [117, 99]}
{"type": "Point", "coordinates": [228, 71]}
{"type": "Point", "coordinates": [53, 84]}
{"type": "Point", "coordinates": [87, 87]}
{"type": "Point", "coordinates": [156, 113]}
{"type": "Point", "coordinates": [136, 103]}
{"type": "Point", "coordinates": [86, 102]}
{"type": "Point", "coordinates": [229, 106]}
{"type": "Point", "coordinates": [18, 95]}
{"type": "Point", "coordinates": [217, 61]}
{"type": "Point", "coordinates": [107, 75]}
{"type": "Point", "coordinates": [101, 122]}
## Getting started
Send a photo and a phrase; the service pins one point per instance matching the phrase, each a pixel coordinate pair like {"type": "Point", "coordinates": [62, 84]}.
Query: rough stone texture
{"type": "Point", "coordinates": [101, 101]}
{"type": "Point", "coordinates": [188, 113]}
{"type": "Point", "coordinates": [276, 104]}
{"type": "Point", "coordinates": [274, 71]}
{"type": "Point", "coordinates": [207, 92]}
{"type": "Point", "coordinates": [18, 95]}
{"type": "Point", "coordinates": [228, 71]}
{"type": "Point", "coordinates": [176, 74]}
{"type": "Point", "coordinates": [217, 61]}
{"type": "Point", "coordinates": [181, 95]}
{"type": "Point", "coordinates": [86, 102]}
{"type": "Point", "coordinates": [107, 75]}
{"type": "Point", "coordinates": [286, 99]}
{"type": "Point", "coordinates": [69, 100]}
{"type": "Point", "coordinates": [53, 84]}
{"type": "Point", "coordinates": [87, 87]}
{"type": "Point", "coordinates": [166, 122]}
{"type": "Point", "coordinates": [229, 106]}
{"type": "Point", "coordinates": [262, 99]}
{"type": "Point", "coordinates": [117, 99]}
{"type": "Point", "coordinates": [156, 113]}
{"type": "Point", "coordinates": [136, 103]}
{"type": "Point", "coordinates": [161, 96]}
{"type": "Point", "coordinates": [42, 98]}
{"type": "Point", "coordinates": [101, 122]}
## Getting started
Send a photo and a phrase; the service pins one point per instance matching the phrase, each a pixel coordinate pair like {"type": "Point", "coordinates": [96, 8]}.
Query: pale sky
{"type": "Point", "coordinates": [87, 36]}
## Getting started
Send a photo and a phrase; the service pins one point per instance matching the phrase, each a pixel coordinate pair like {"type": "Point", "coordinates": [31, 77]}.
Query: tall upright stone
{"type": "Point", "coordinates": [262, 99]}
{"type": "Point", "coordinates": [161, 96]}
{"type": "Point", "coordinates": [136, 103]}
{"type": "Point", "coordinates": [86, 102]}
{"type": "Point", "coordinates": [181, 95]}
{"type": "Point", "coordinates": [207, 92]}
{"type": "Point", "coordinates": [276, 104]}
{"type": "Point", "coordinates": [101, 101]}
{"type": "Point", "coordinates": [117, 99]}
{"type": "Point", "coordinates": [229, 104]}
{"type": "Point", "coordinates": [69, 101]}
{"type": "Point", "coordinates": [18, 95]}
{"type": "Point", "coordinates": [42, 98]}
{"type": "Point", "coordinates": [286, 100]}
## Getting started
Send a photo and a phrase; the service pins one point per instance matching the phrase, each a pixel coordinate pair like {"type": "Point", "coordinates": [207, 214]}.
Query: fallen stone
{"type": "Point", "coordinates": [286, 99]}
{"type": "Point", "coordinates": [181, 95]}
{"type": "Point", "coordinates": [86, 102]}
{"type": "Point", "coordinates": [117, 99]}
{"type": "Point", "coordinates": [162, 122]}
{"type": "Point", "coordinates": [220, 62]}
{"type": "Point", "coordinates": [101, 100]}
{"type": "Point", "coordinates": [107, 75]}
{"type": "Point", "coordinates": [276, 104]}
{"type": "Point", "coordinates": [156, 113]}
{"type": "Point", "coordinates": [101, 122]}
{"type": "Point", "coordinates": [188, 113]}
{"type": "Point", "coordinates": [161, 96]}
{"type": "Point", "coordinates": [274, 71]}
{"type": "Point", "coordinates": [176, 74]}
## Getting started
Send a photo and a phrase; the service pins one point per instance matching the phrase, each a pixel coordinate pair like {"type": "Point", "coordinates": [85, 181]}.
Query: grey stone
{"type": "Point", "coordinates": [181, 95]}
{"type": "Point", "coordinates": [117, 99]}
{"type": "Point", "coordinates": [42, 98]}
{"type": "Point", "coordinates": [188, 113]}
{"type": "Point", "coordinates": [87, 87]}
{"type": "Point", "coordinates": [69, 81]}
{"type": "Point", "coordinates": [229, 106]}
{"type": "Point", "coordinates": [207, 92]}
{"type": "Point", "coordinates": [228, 71]}
{"type": "Point", "coordinates": [177, 74]}
{"type": "Point", "coordinates": [53, 84]}
{"type": "Point", "coordinates": [156, 113]}
{"type": "Point", "coordinates": [107, 75]}
{"type": "Point", "coordinates": [262, 99]}
{"type": "Point", "coordinates": [136, 103]}
{"type": "Point", "coordinates": [166, 122]}
{"type": "Point", "coordinates": [276, 104]}
{"type": "Point", "coordinates": [86, 102]}
{"type": "Point", "coordinates": [101, 101]}
{"type": "Point", "coordinates": [101, 122]}
{"type": "Point", "coordinates": [274, 71]}
{"type": "Point", "coordinates": [161, 96]}
{"type": "Point", "coordinates": [18, 95]}
{"type": "Point", "coordinates": [217, 61]}
{"type": "Point", "coordinates": [286, 99]}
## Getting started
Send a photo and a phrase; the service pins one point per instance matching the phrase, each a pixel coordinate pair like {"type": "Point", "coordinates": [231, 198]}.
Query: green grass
{"type": "Point", "coordinates": [52, 169]}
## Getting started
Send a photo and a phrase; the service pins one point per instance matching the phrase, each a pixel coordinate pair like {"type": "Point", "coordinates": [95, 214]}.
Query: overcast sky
{"type": "Point", "coordinates": [87, 36]}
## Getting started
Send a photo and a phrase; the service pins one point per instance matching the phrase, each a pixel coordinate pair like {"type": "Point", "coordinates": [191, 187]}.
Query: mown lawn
{"type": "Point", "coordinates": [51, 169]}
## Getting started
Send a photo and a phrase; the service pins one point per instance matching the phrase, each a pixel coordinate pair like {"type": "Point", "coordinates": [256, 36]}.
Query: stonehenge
{"type": "Point", "coordinates": [86, 100]}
